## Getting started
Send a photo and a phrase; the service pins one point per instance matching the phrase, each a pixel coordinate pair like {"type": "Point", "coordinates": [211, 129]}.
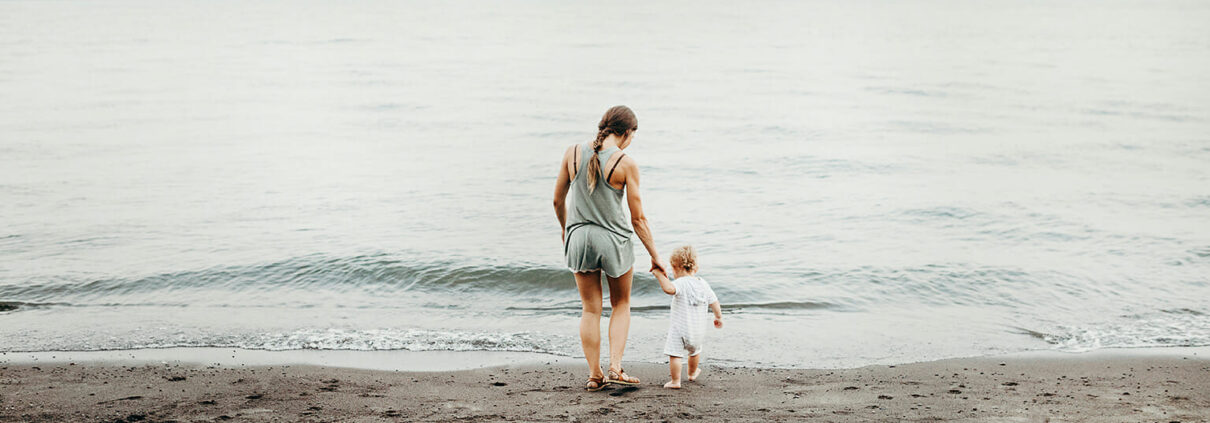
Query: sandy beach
{"type": "Point", "coordinates": [1115, 386]}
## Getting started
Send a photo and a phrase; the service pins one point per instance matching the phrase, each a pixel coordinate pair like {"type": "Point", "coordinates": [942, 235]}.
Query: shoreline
{"type": "Point", "coordinates": [445, 361]}
{"type": "Point", "coordinates": [1139, 385]}
{"type": "Point", "coordinates": [385, 360]}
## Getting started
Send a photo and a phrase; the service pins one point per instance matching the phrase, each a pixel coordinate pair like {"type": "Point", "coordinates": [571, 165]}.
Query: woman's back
{"type": "Point", "coordinates": [603, 206]}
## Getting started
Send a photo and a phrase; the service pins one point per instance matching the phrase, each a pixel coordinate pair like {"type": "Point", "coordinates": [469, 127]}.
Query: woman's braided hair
{"type": "Point", "coordinates": [618, 120]}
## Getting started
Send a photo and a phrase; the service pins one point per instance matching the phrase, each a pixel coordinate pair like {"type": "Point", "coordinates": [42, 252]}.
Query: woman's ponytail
{"type": "Point", "coordinates": [594, 164]}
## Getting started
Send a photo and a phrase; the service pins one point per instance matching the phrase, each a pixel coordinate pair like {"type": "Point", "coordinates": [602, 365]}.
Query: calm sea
{"type": "Point", "coordinates": [866, 182]}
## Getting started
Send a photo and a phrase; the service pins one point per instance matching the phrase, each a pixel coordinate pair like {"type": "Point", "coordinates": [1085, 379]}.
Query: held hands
{"type": "Point", "coordinates": [718, 323]}
{"type": "Point", "coordinates": [656, 266]}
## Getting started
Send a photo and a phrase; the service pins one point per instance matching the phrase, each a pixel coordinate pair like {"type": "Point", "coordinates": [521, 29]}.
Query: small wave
{"type": "Point", "coordinates": [907, 91]}
{"type": "Point", "coordinates": [370, 272]}
{"type": "Point", "coordinates": [1172, 117]}
{"type": "Point", "coordinates": [940, 213]}
{"type": "Point", "coordinates": [727, 307]}
{"type": "Point", "coordinates": [785, 305]}
{"type": "Point", "coordinates": [7, 306]}
{"type": "Point", "coordinates": [336, 339]}
{"type": "Point", "coordinates": [384, 281]}
{"type": "Point", "coordinates": [1201, 252]}
{"type": "Point", "coordinates": [953, 284]}
{"type": "Point", "coordinates": [400, 339]}
{"type": "Point", "coordinates": [1184, 311]}
{"type": "Point", "coordinates": [1033, 333]}
{"type": "Point", "coordinates": [378, 275]}
{"type": "Point", "coordinates": [1167, 328]}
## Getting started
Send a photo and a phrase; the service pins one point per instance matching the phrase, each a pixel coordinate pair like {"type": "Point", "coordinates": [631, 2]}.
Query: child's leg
{"type": "Point", "coordinates": [674, 370]}
{"type": "Point", "coordinates": [694, 370]}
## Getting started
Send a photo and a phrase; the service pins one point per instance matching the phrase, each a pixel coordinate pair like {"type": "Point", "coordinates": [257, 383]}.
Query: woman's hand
{"type": "Point", "coordinates": [718, 323]}
{"type": "Point", "coordinates": [655, 264]}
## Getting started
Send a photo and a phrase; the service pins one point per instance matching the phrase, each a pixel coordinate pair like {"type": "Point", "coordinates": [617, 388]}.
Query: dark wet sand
{"type": "Point", "coordinates": [1093, 388]}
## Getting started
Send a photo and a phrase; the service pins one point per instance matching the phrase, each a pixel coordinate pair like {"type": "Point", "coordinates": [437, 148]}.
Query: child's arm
{"type": "Point", "coordinates": [718, 314]}
{"type": "Point", "coordinates": [665, 284]}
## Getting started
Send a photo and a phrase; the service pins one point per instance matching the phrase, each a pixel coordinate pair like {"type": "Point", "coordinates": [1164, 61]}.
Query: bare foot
{"type": "Point", "coordinates": [673, 385]}
{"type": "Point", "coordinates": [695, 374]}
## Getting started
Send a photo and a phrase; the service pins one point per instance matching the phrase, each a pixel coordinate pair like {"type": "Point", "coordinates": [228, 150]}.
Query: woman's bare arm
{"type": "Point", "coordinates": [637, 218]}
{"type": "Point", "coordinates": [562, 185]}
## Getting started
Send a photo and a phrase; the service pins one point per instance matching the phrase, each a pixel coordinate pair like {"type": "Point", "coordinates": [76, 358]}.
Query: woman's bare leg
{"type": "Point", "coordinates": [589, 284]}
{"type": "Point", "coordinates": [619, 318]}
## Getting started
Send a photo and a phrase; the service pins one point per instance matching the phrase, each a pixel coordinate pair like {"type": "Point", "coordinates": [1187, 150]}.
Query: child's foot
{"type": "Point", "coordinates": [695, 374]}
{"type": "Point", "coordinates": [672, 384]}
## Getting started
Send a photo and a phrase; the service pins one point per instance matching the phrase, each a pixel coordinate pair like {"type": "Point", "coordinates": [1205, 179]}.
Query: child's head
{"type": "Point", "coordinates": [684, 260]}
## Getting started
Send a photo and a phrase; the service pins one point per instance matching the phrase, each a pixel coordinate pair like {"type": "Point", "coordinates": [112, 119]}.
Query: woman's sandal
{"type": "Point", "coordinates": [595, 384]}
{"type": "Point", "coordinates": [620, 377]}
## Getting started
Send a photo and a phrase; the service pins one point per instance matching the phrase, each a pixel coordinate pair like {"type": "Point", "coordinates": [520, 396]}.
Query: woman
{"type": "Point", "coordinates": [596, 237]}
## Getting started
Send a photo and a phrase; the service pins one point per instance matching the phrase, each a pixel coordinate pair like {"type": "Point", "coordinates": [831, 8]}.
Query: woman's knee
{"type": "Point", "coordinates": [589, 309]}
{"type": "Point", "coordinates": [619, 302]}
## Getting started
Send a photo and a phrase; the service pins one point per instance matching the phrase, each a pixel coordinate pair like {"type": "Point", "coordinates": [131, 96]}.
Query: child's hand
{"type": "Point", "coordinates": [718, 323]}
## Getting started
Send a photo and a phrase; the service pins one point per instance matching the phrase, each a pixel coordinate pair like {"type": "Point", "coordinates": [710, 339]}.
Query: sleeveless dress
{"type": "Point", "coordinates": [598, 231]}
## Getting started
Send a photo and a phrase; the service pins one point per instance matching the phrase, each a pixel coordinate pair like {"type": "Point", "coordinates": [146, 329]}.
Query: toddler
{"type": "Point", "coordinates": [691, 298]}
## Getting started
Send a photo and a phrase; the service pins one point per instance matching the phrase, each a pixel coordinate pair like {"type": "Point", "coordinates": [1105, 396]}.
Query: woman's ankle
{"type": "Point", "coordinates": [596, 374]}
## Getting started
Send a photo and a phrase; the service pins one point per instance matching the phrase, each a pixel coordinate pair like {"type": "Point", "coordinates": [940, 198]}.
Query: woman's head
{"type": "Point", "coordinates": [684, 260]}
{"type": "Point", "coordinates": [619, 121]}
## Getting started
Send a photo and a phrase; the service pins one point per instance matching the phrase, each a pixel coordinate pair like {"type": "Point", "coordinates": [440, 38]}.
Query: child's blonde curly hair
{"type": "Point", "coordinates": [684, 257]}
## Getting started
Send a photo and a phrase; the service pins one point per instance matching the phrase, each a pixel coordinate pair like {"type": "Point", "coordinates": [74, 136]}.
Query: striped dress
{"type": "Point", "coordinates": [690, 316]}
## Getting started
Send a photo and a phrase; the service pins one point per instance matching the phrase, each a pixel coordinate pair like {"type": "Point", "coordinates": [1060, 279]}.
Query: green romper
{"type": "Point", "coordinates": [598, 231]}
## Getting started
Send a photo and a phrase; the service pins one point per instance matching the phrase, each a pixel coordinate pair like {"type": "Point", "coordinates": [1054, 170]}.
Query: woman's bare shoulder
{"type": "Point", "coordinates": [628, 164]}
{"type": "Point", "coordinates": [569, 153]}
{"type": "Point", "coordinates": [628, 161]}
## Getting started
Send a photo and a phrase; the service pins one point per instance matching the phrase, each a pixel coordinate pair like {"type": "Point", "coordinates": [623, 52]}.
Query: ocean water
{"type": "Point", "coordinates": [865, 182]}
